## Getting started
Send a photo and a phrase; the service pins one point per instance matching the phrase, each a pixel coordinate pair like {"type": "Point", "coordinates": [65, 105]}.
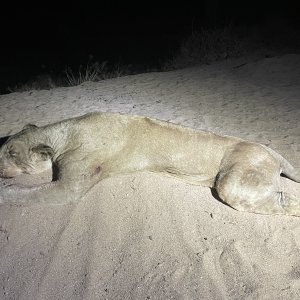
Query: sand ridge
{"type": "Point", "coordinates": [144, 236]}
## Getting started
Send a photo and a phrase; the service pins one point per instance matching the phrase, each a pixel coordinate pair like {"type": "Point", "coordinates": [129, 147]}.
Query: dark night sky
{"type": "Point", "coordinates": [56, 36]}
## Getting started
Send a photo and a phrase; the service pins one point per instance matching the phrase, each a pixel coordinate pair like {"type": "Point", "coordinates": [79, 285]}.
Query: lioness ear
{"type": "Point", "coordinates": [27, 126]}
{"type": "Point", "coordinates": [44, 151]}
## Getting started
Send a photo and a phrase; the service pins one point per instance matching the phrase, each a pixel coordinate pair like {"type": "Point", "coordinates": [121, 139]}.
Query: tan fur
{"type": "Point", "coordinates": [87, 149]}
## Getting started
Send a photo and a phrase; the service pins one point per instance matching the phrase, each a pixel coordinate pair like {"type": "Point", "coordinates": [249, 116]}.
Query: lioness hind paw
{"type": "Point", "coordinates": [289, 203]}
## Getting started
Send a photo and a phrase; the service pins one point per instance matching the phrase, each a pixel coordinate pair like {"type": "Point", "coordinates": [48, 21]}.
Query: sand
{"type": "Point", "coordinates": [145, 236]}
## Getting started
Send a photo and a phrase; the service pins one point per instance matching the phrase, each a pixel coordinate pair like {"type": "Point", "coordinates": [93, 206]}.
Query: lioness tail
{"type": "Point", "coordinates": [287, 168]}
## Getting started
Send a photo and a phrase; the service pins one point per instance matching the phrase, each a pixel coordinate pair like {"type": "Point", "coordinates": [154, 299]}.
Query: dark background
{"type": "Point", "coordinates": [49, 37]}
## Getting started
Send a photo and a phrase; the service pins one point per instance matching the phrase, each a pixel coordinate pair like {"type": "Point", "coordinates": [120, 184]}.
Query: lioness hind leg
{"type": "Point", "coordinates": [254, 191]}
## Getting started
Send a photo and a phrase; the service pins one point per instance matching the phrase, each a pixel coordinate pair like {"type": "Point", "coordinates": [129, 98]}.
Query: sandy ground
{"type": "Point", "coordinates": [145, 236]}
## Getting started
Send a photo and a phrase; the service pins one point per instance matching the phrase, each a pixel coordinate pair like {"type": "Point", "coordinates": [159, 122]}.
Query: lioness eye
{"type": "Point", "coordinates": [12, 153]}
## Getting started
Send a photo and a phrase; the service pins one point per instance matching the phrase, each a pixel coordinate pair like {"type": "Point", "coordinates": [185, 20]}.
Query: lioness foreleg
{"type": "Point", "coordinates": [74, 179]}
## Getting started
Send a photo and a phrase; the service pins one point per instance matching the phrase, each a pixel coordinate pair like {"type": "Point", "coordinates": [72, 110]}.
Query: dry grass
{"type": "Point", "coordinates": [91, 72]}
{"type": "Point", "coordinates": [94, 72]}
{"type": "Point", "coordinates": [204, 47]}
{"type": "Point", "coordinates": [201, 47]}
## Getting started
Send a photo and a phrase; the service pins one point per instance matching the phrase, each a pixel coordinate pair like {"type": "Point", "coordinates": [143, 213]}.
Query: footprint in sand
{"type": "Point", "coordinates": [238, 274]}
{"type": "Point", "coordinates": [232, 273]}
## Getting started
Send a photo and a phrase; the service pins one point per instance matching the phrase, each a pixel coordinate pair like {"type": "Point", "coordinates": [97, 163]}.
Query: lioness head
{"type": "Point", "coordinates": [19, 155]}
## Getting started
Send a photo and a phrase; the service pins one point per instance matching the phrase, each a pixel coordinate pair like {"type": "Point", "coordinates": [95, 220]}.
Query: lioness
{"type": "Point", "coordinates": [87, 149]}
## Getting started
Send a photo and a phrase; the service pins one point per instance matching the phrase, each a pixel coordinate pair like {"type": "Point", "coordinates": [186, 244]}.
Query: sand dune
{"type": "Point", "coordinates": [145, 236]}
